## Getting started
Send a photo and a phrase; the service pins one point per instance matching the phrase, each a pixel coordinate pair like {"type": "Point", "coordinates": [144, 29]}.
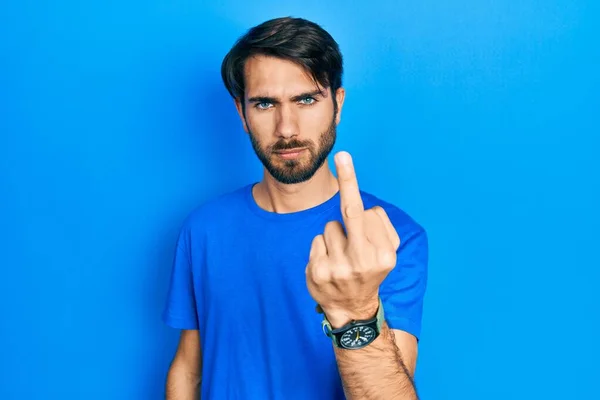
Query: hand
{"type": "Point", "coordinates": [345, 269]}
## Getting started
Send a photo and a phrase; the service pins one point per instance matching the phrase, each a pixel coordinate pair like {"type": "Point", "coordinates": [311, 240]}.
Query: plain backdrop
{"type": "Point", "coordinates": [478, 118]}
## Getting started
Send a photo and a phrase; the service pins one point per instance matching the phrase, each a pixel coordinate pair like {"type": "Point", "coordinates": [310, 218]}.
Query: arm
{"type": "Point", "coordinates": [185, 373]}
{"type": "Point", "coordinates": [180, 312]}
{"type": "Point", "coordinates": [382, 370]}
{"type": "Point", "coordinates": [345, 272]}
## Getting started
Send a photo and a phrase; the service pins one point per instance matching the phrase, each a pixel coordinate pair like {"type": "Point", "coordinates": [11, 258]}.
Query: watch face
{"type": "Point", "coordinates": [357, 337]}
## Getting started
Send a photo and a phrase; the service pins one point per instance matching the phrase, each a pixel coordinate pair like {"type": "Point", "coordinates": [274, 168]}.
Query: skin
{"type": "Point", "coordinates": [185, 372]}
{"type": "Point", "coordinates": [345, 269]}
{"type": "Point", "coordinates": [287, 121]}
{"type": "Point", "coordinates": [344, 272]}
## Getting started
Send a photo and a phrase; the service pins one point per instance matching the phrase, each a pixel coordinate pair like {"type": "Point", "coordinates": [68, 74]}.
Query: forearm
{"type": "Point", "coordinates": [376, 371]}
{"type": "Point", "coordinates": [182, 384]}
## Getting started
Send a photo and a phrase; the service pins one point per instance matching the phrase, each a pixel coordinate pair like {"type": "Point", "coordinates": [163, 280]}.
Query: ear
{"type": "Point", "coordinates": [340, 94]}
{"type": "Point", "coordinates": [238, 106]}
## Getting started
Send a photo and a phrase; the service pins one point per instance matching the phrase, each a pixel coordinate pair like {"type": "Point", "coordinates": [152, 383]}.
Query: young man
{"type": "Point", "coordinates": [300, 286]}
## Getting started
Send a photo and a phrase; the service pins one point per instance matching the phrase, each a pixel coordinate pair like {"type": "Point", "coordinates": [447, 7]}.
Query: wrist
{"type": "Point", "coordinates": [340, 317]}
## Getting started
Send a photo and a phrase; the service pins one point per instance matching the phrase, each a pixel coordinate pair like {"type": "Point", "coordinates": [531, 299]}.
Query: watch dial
{"type": "Point", "coordinates": [357, 337]}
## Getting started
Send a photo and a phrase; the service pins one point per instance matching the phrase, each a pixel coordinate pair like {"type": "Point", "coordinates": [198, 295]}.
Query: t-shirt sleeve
{"type": "Point", "coordinates": [180, 308]}
{"type": "Point", "coordinates": [403, 289]}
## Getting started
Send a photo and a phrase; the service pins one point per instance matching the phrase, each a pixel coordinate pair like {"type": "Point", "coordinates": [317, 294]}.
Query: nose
{"type": "Point", "coordinates": [287, 122]}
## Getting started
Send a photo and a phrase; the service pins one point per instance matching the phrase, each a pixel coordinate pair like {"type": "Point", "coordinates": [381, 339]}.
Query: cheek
{"type": "Point", "coordinates": [313, 122]}
{"type": "Point", "coordinates": [261, 124]}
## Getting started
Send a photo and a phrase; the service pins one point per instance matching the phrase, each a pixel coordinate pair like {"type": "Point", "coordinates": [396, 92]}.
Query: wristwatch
{"type": "Point", "coordinates": [356, 334]}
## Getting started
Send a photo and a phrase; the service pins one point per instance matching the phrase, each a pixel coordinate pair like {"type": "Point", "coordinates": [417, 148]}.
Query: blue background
{"type": "Point", "coordinates": [479, 118]}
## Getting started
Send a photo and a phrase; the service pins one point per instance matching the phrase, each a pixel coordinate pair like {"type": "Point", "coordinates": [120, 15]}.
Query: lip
{"type": "Point", "coordinates": [290, 153]}
{"type": "Point", "coordinates": [296, 150]}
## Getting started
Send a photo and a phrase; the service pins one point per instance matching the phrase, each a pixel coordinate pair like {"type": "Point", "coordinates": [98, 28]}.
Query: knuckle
{"type": "Point", "coordinates": [317, 240]}
{"type": "Point", "coordinates": [320, 273]}
{"type": "Point", "coordinates": [332, 228]}
{"type": "Point", "coordinates": [316, 246]}
{"type": "Point", "coordinates": [370, 212]}
{"type": "Point", "coordinates": [397, 241]}
{"type": "Point", "coordinates": [353, 211]}
{"type": "Point", "coordinates": [332, 225]}
{"type": "Point", "coordinates": [386, 258]}
{"type": "Point", "coordinates": [380, 210]}
{"type": "Point", "coordinates": [343, 274]}
{"type": "Point", "coordinates": [374, 218]}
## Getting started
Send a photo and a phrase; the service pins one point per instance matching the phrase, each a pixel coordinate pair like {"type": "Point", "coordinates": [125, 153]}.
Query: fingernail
{"type": "Point", "coordinates": [343, 157]}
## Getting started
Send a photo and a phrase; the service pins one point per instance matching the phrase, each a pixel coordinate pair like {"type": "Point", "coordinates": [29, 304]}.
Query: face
{"type": "Point", "coordinates": [290, 120]}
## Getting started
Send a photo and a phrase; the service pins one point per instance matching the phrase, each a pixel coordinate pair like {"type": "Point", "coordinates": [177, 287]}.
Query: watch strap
{"type": "Point", "coordinates": [334, 333]}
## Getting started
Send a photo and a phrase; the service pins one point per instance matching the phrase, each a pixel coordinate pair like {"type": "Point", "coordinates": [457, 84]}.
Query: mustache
{"type": "Point", "coordinates": [292, 144]}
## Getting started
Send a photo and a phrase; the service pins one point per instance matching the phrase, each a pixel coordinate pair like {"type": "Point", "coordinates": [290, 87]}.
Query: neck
{"type": "Point", "coordinates": [275, 196]}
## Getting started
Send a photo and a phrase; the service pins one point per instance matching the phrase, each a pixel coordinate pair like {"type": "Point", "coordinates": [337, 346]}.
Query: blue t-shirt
{"type": "Point", "coordinates": [239, 278]}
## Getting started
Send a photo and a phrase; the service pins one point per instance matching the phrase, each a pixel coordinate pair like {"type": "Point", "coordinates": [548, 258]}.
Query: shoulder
{"type": "Point", "coordinates": [216, 206]}
{"type": "Point", "coordinates": [215, 213]}
{"type": "Point", "coordinates": [414, 241]}
{"type": "Point", "coordinates": [405, 224]}
{"type": "Point", "coordinates": [402, 291]}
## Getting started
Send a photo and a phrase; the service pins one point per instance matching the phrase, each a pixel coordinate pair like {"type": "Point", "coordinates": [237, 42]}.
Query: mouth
{"type": "Point", "coordinates": [289, 153]}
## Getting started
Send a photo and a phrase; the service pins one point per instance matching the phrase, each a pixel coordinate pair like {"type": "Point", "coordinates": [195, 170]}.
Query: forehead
{"type": "Point", "coordinates": [276, 77]}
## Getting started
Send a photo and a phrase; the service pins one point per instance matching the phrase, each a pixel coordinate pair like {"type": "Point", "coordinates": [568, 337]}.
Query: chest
{"type": "Point", "coordinates": [258, 273]}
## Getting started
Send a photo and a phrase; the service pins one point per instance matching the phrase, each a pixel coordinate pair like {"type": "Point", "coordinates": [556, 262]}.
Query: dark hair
{"type": "Point", "coordinates": [295, 39]}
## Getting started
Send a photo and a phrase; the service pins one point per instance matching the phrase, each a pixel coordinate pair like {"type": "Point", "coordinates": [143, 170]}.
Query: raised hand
{"type": "Point", "coordinates": [346, 268]}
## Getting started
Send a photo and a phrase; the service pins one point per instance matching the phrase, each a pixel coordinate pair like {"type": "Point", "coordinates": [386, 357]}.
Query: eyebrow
{"type": "Point", "coordinates": [267, 99]}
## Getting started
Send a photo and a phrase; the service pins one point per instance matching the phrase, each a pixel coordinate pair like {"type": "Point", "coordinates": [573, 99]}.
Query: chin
{"type": "Point", "coordinates": [286, 176]}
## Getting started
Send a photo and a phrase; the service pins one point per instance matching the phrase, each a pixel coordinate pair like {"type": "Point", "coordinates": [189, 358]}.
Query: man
{"type": "Point", "coordinates": [300, 286]}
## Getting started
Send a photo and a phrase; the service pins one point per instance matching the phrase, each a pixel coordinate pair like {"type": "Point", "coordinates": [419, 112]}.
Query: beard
{"type": "Point", "coordinates": [301, 169]}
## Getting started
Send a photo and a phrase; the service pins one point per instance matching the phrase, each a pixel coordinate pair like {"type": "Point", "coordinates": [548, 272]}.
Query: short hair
{"type": "Point", "coordinates": [295, 39]}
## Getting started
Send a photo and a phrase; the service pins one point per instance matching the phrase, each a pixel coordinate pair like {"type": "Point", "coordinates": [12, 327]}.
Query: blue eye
{"type": "Point", "coordinates": [263, 105]}
{"type": "Point", "coordinates": [308, 101]}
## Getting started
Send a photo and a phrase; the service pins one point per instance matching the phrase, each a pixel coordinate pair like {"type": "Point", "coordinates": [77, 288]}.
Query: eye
{"type": "Point", "coordinates": [307, 101]}
{"type": "Point", "coordinates": [263, 105]}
